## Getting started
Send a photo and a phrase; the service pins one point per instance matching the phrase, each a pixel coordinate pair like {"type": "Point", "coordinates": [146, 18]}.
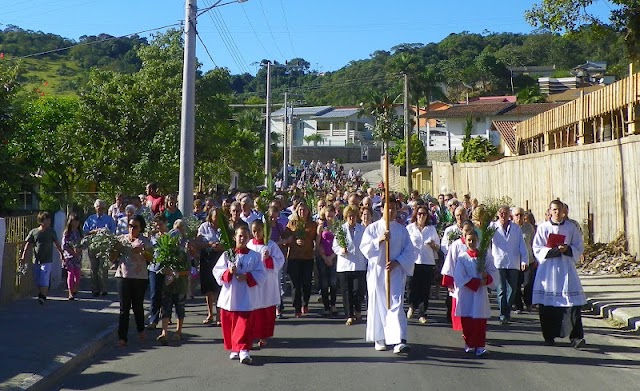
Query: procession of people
{"type": "Point", "coordinates": [328, 232]}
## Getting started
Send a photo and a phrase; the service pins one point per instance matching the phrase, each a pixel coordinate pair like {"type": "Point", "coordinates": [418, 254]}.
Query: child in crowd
{"type": "Point", "coordinates": [72, 254]}
{"type": "Point", "coordinates": [471, 281]}
{"type": "Point", "coordinates": [264, 316]}
{"type": "Point", "coordinates": [239, 274]}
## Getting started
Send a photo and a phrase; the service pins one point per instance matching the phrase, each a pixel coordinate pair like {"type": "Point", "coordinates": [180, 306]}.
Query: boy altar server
{"type": "Point", "coordinates": [387, 326]}
{"type": "Point", "coordinates": [239, 277]}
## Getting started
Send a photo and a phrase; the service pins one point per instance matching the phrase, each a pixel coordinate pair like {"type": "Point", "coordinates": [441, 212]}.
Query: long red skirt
{"type": "Point", "coordinates": [263, 322]}
{"type": "Point", "coordinates": [456, 323]}
{"type": "Point", "coordinates": [474, 332]}
{"type": "Point", "coordinates": [236, 330]}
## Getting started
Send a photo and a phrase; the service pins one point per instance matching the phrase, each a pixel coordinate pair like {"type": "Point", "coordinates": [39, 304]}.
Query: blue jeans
{"type": "Point", "coordinates": [156, 283]}
{"type": "Point", "coordinates": [506, 291]}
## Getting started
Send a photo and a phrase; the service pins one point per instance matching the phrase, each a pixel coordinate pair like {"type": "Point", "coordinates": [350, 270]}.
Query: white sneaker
{"type": "Point", "coordinates": [422, 319]}
{"type": "Point", "coordinates": [234, 356]}
{"type": "Point", "coordinates": [467, 349]}
{"type": "Point", "coordinates": [380, 346]}
{"type": "Point", "coordinates": [410, 313]}
{"type": "Point", "coordinates": [401, 348]}
{"type": "Point", "coordinates": [244, 357]}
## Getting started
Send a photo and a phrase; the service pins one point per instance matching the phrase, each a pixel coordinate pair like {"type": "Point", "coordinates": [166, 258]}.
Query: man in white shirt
{"type": "Point", "coordinates": [510, 256]}
{"type": "Point", "coordinates": [248, 215]}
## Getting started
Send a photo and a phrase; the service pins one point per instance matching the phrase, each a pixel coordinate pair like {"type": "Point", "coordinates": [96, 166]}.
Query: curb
{"type": "Point", "coordinates": [615, 311]}
{"type": "Point", "coordinates": [67, 362]}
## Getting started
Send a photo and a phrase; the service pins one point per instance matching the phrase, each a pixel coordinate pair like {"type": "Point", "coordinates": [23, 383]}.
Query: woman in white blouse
{"type": "Point", "coordinates": [426, 241]}
{"type": "Point", "coordinates": [351, 266]}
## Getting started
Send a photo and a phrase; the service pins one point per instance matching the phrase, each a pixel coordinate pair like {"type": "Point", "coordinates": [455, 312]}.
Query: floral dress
{"type": "Point", "coordinates": [71, 244]}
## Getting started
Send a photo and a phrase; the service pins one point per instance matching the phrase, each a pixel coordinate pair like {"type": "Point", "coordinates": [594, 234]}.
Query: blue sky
{"type": "Point", "coordinates": [329, 33]}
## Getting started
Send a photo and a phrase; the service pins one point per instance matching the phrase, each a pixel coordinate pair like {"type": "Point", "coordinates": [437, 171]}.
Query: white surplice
{"type": "Point", "coordinates": [472, 304]}
{"type": "Point", "coordinates": [237, 295]}
{"type": "Point", "coordinates": [557, 283]}
{"type": "Point", "coordinates": [382, 324]}
{"type": "Point", "coordinates": [269, 291]}
{"type": "Point", "coordinates": [448, 267]}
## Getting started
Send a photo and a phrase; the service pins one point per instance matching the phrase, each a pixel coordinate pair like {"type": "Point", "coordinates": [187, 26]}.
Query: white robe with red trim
{"type": "Point", "coordinates": [236, 295]}
{"type": "Point", "coordinates": [269, 292]}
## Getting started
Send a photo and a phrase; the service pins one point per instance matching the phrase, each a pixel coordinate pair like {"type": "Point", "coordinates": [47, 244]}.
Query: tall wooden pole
{"type": "Point", "coordinates": [387, 223]}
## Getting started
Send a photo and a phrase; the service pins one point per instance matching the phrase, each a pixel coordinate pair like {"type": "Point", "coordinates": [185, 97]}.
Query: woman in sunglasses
{"type": "Point", "coordinates": [132, 279]}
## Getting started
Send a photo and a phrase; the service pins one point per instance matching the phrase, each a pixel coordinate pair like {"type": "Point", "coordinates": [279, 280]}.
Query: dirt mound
{"type": "Point", "coordinates": [609, 258]}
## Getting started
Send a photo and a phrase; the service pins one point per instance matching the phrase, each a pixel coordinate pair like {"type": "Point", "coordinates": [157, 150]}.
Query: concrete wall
{"type": "Point", "coordinates": [324, 154]}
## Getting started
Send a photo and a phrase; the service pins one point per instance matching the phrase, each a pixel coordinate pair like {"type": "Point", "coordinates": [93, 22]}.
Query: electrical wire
{"type": "Point", "coordinates": [227, 41]}
{"type": "Point", "coordinates": [94, 42]}
{"type": "Point", "coordinates": [275, 42]}
{"type": "Point", "coordinates": [254, 32]}
{"type": "Point", "coordinates": [286, 24]}
{"type": "Point", "coordinates": [206, 49]}
{"type": "Point", "coordinates": [230, 38]}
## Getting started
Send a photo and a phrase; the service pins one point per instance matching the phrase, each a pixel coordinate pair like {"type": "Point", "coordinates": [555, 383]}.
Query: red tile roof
{"type": "Point", "coordinates": [532, 108]}
{"type": "Point", "coordinates": [507, 132]}
{"type": "Point", "coordinates": [480, 109]}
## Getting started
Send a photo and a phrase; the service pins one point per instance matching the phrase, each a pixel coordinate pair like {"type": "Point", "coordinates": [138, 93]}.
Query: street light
{"type": "Point", "coordinates": [187, 121]}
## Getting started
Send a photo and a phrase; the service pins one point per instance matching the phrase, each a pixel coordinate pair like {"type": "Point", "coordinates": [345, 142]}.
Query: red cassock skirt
{"type": "Point", "coordinates": [263, 322]}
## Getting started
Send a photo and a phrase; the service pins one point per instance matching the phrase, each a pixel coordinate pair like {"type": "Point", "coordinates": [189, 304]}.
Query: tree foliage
{"type": "Point", "coordinates": [398, 153]}
{"type": "Point", "coordinates": [475, 149]}
{"type": "Point", "coordinates": [569, 15]}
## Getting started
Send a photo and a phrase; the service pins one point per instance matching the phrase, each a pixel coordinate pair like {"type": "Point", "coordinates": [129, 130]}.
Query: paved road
{"type": "Point", "coordinates": [323, 354]}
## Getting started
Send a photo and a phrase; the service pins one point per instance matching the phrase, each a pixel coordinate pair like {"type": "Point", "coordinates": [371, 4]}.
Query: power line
{"type": "Point", "coordinates": [206, 49]}
{"type": "Point", "coordinates": [227, 42]}
{"type": "Point", "coordinates": [230, 38]}
{"type": "Point", "coordinates": [275, 42]}
{"type": "Point", "coordinates": [94, 42]}
{"type": "Point", "coordinates": [286, 24]}
{"type": "Point", "coordinates": [254, 32]}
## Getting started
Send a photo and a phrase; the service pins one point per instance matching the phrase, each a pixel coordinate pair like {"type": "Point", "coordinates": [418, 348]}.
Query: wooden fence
{"type": "Point", "coordinates": [15, 286]}
{"type": "Point", "coordinates": [601, 180]}
{"type": "Point", "coordinates": [605, 114]}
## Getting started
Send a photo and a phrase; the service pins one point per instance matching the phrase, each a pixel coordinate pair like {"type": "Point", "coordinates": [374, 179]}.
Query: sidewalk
{"type": "Point", "coordinates": [615, 298]}
{"type": "Point", "coordinates": [42, 344]}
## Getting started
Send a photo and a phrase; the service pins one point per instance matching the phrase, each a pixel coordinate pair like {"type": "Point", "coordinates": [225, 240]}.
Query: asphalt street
{"type": "Point", "coordinates": [314, 353]}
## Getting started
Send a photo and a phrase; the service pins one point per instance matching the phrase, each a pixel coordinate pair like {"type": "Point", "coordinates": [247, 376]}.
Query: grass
{"type": "Point", "coordinates": [51, 76]}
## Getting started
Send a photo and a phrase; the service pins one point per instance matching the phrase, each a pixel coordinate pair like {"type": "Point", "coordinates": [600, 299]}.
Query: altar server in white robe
{"type": "Point", "coordinates": [557, 290]}
{"type": "Point", "coordinates": [471, 283]}
{"type": "Point", "coordinates": [239, 276]}
{"type": "Point", "coordinates": [387, 326]}
{"type": "Point", "coordinates": [264, 316]}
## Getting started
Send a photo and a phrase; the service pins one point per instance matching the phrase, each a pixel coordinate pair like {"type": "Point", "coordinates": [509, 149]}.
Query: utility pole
{"type": "Point", "coordinates": [407, 132]}
{"type": "Point", "coordinates": [267, 135]}
{"type": "Point", "coordinates": [285, 131]}
{"type": "Point", "coordinates": [187, 122]}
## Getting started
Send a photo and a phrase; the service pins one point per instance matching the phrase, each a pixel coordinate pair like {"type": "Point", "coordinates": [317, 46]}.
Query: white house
{"type": "Point", "coordinates": [338, 126]}
{"type": "Point", "coordinates": [493, 121]}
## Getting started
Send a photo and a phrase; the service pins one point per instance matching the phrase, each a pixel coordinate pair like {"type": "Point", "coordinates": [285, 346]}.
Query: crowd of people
{"type": "Point", "coordinates": [326, 233]}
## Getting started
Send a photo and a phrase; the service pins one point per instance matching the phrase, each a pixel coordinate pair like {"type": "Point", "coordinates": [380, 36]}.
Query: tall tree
{"type": "Point", "coordinates": [568, 15]}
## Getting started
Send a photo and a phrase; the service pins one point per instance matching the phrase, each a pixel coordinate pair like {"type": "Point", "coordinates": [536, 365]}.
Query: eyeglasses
{"type": "Point", "coordinates": [134, 226]}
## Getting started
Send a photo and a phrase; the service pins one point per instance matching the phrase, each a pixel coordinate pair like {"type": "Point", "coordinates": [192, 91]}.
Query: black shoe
{"type": "Point", "coordinates": [104, 293]}
{"type": "Point", "coordinates": [41, 299]}
{"type": "Point", "coordinates": [95, 294]}
{"type": "Point", "coordinates": [549, 342]}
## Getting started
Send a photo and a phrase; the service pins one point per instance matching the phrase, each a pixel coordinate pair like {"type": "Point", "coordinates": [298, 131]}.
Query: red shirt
{"type": "Point", "coordinates": [157, 203]}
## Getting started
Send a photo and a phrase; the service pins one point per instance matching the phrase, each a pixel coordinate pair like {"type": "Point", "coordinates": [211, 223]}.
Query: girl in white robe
{"type": "Point", "coordinates": [473, 305]}
{"type": "Point", "coordinates": [454, 249]}
{"type": "Point", "coordinates": [239, 276]}
{"type": "Point", "coordinates": [557, 290]}
{"type": "Point", "coordinates": [264, 316]}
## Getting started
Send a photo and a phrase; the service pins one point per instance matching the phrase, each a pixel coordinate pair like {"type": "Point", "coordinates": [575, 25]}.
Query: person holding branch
{"type": "Point", "coordinates": [387, 324]}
